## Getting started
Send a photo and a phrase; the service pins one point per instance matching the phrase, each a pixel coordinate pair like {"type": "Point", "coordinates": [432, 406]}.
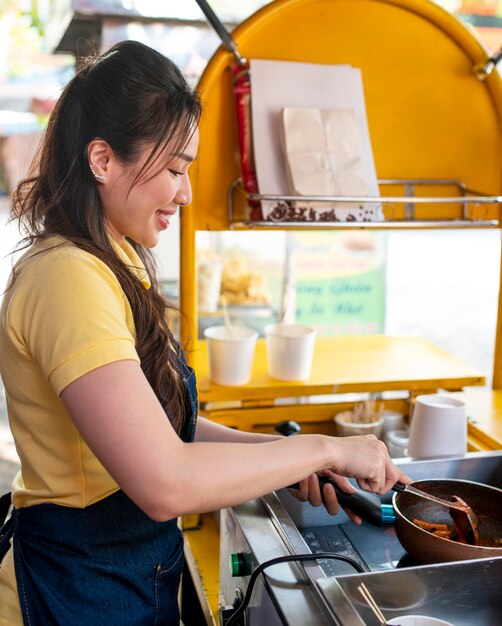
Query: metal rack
{"type": "Point", "coordinates": [465, 199]}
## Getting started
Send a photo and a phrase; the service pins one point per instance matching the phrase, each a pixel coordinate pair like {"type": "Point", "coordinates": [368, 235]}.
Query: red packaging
{"type": "Point", "coordinates": [242, 91]}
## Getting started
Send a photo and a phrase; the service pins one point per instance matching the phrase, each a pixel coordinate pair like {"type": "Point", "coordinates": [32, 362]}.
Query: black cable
{"type": "Point", "coordinates": [284, 559]}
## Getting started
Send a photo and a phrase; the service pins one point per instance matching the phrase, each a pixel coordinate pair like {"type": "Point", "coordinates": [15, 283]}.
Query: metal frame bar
{"type": "Point", "coordinates": [408, 200]}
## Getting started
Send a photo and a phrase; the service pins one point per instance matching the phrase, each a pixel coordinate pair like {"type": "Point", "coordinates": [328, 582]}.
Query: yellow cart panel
{"type": "Point", "coordinates": [348, 364]}
{"type": "Point", "coordinates": [429, 115]}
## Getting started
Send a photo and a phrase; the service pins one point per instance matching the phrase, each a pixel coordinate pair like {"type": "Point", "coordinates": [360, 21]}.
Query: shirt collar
{"type": "Point", "coordinates": [130, 257]}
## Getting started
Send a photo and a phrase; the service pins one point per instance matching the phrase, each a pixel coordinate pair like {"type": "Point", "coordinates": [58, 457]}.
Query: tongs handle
{"type": "Point", "coordinates": [399, 487]}
{"type": "Point", "coordinates": [367, 505]}
{"type": "Point", "coordinates": [451, 504]}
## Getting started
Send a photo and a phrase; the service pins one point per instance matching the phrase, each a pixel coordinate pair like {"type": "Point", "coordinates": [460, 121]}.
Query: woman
{"type": "Point", "coordinates": [102, 405]}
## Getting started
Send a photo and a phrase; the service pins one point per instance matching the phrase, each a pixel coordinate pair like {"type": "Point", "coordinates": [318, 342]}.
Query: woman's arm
{"type": "Point", "coordinates": [309, 490]}
{"type": "Point", "coordinates": [120, 418]}
{"type": "Point", "coordinates": [211, 431]}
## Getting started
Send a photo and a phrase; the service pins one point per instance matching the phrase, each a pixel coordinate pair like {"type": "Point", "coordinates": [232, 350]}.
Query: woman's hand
{"type": "Point", "coordinates": [310, 491]}
{"type": "Point", "coordinates": [364, 458]}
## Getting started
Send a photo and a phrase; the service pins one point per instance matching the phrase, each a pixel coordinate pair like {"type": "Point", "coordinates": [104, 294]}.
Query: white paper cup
{"type": "Point", "coordinates": [438, 427]}
{"type": "Point", "coordinates": [230, 355]}
{"type": "Point", "coordinates": [208, 285]}
{"type": "Point", "coordinates": [290, 348]}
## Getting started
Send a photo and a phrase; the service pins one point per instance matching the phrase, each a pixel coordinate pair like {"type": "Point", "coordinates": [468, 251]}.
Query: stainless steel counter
{"type": "Point", "coordinates": [466, 593]}
{"type": "Point", "coordinates": [319, 593]}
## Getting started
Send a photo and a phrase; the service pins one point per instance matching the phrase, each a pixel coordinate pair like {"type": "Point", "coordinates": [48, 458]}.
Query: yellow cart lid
{"type": "Point", "coordinates": [429, 115]}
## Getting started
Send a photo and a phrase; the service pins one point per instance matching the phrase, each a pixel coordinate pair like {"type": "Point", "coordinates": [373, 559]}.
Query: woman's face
{"type": "Point", "coordinates": [143, 212]}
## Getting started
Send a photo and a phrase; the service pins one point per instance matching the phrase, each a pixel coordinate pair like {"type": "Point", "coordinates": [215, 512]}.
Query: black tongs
{"type": "Point", "coordinates": [369, 507]}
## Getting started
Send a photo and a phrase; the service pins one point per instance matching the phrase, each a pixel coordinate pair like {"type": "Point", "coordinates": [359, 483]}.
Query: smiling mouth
{"type": "Point", "coordinates": [164, 217]}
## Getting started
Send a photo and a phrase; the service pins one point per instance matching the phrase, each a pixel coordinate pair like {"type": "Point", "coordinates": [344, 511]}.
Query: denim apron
{"type": "Point", "coordinates": [106, 565]}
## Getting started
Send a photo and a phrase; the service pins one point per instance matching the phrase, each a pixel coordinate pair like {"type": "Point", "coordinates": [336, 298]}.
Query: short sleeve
{"type": "Point", "coordinates": [72, 316]}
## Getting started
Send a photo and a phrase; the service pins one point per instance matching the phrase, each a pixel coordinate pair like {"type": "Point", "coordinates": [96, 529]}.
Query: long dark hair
{"type": "Point", "coordinates": [130, 97]}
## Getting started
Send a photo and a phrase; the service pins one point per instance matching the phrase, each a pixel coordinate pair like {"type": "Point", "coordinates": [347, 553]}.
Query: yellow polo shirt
{"type": "Point", "coordinates": [65, 315]}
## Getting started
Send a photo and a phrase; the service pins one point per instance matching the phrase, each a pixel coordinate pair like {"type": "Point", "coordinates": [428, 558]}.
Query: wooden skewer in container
{"type": "Point", "coordinates": [364, 419]}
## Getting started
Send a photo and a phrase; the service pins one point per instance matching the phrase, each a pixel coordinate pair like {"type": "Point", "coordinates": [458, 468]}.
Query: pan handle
{"type": "Point", "coordinates": [368, 506]}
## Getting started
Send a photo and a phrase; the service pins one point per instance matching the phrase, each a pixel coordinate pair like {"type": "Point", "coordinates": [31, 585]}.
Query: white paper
{"type": "Point", "coordinates": [323, 152]}
{"type": "Point", "coordinates": [277, 85]}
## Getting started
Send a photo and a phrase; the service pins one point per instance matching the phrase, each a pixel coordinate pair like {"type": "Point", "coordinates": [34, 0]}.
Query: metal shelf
{"type": "Point", "coordinates": [465, 199]}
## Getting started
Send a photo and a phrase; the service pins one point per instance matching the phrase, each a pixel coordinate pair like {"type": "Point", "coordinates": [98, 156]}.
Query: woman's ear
{"type": "Point", "coordinates": [99, 155]}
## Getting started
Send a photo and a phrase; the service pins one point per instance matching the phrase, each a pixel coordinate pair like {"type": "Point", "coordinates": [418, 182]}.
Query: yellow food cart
{"type": "Point", "coordinates": [434, 107]}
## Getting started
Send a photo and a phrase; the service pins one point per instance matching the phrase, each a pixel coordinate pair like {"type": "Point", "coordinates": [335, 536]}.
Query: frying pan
{"type": "Point", "coordinates": [423, 546]}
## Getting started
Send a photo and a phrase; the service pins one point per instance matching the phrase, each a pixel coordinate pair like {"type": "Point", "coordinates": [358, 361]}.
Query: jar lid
{"type": "Point", "coordinates": [399, 437]}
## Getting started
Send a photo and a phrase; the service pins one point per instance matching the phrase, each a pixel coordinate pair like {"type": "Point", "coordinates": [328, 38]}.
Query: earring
{"type": "Point", "coordinates": [96, 175]}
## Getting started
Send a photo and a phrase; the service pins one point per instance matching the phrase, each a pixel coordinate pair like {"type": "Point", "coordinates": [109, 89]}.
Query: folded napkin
{"type": "Point", "coordinates": [324, 155]}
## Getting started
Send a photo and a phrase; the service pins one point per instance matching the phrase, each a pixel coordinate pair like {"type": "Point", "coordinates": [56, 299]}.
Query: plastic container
{"type": "Point", "coordinates": [209, 274]}
{"type": "Point", "coordinates": [345, 428]}
{"type": "Point", "coordinates": [392, 420]}
{"type": "Point", "coordinates": [397, 442]}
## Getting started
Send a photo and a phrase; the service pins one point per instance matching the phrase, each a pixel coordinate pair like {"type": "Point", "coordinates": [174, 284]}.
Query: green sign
{"type": "Point", "coordinates": [340, 281]}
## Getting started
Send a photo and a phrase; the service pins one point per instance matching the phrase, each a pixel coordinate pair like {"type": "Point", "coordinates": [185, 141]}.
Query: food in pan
{"type": "Point", "coordinates": [466, 522]}
{"type": "Point", "coordinates": [440, 530]}
{"type": "Point", "coordinates": [446, 532]}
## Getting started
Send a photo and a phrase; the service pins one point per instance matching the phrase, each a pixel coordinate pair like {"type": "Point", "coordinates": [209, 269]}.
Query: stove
{"type": "Point", "coordinates": [375, 549]}
{"type": "Point", "coordinates": [324, 592]}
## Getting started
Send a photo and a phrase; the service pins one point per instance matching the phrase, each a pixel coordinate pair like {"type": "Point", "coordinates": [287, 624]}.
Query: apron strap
{"type": "Point", "coordinates": [5, 502]}
{"type": "Point", "coordinates": [6, 528]}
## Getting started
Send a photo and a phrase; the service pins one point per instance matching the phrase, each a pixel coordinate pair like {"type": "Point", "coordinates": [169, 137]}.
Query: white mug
{"type": "Point", "coordinates": [438, 427]}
